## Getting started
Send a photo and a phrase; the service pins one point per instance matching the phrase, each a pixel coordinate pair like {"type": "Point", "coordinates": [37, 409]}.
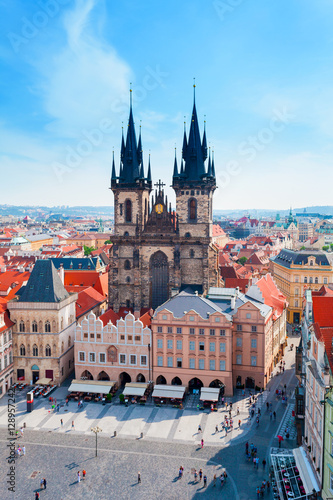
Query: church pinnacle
{"type": "Point", "coordinates": [131, 158]}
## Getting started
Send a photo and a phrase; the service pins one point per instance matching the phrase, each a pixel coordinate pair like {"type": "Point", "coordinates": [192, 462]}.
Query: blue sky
{"type": "Point", "coordinates": [263, 80]}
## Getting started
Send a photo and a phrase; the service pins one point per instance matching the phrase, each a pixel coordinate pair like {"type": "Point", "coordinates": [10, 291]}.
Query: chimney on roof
{"type": "Point", "coordinates": [3, 269]}
{"type": "Point", "coordinates": [233, 302]}
{"type": "Point", "coordinates": [62, 273]}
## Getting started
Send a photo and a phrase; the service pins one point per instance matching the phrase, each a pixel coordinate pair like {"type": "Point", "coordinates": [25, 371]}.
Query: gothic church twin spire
{"type": "Point", "coordinates": [194, 155]}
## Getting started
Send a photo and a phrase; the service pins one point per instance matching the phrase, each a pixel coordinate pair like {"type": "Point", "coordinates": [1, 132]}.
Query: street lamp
{"type": "Point", "coordinates": [96, 430]}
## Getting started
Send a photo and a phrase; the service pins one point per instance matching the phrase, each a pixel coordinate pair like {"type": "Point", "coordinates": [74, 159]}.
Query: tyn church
{"type": "Point", "coordinates": [157, 252]}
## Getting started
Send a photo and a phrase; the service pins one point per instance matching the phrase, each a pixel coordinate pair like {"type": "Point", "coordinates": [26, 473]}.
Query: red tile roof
{"type": "Point", "coordinates": [217, 230]}
{"type": "Point", "coordinates": [87, 300]}
{"type": "Point", "coordinates": [271, 294]}
{"type": "Point", "coordinates": [109, 315]}
{"type": "Point", "coordinates": [323, 310]}
{"type": "Point", "coordinates": [11, 282]}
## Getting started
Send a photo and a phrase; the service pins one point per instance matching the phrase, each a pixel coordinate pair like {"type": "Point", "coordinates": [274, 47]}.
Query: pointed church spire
{"type": "Point", "coordinates": [182, 168]}
{"type": "Point", "coordinates": [184, 150]}
{"type": "Point", "coordinates": [213, 166]}
{"type": "Point", "coordinates": [204, 143]}
{"type": "Point", "coordinates": [122, 150]}
{"type": "Point", "coordinates": [139, 150]}
{"type": "Point", "coordinates": [113, 173]}
{"type": "Point", "coordinates": [209, 170]}
{"type": "Point", "coordinates": [149, 171]}
{"type": "Point", "coordinates": [175, 167]}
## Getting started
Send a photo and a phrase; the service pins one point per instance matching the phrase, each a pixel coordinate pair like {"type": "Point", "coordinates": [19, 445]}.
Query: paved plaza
{"type": "Point", "coordinates": [170, 439]}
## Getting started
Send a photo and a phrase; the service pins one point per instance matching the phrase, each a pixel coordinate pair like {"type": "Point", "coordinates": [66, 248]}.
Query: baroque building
{"type": "Point", "coordinates": [157, 252]}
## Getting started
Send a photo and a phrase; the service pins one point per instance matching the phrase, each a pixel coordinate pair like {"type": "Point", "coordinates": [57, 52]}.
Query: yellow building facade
{"type": "Point", "coordinates": [295, 272]}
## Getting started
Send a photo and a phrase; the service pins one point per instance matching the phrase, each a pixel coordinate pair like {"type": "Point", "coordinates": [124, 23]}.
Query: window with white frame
{"type": "Point", "coordinates": [192, 331]}
{"type": "Point", "coordinates": [253, 328]}
{"type": "Point", "coordinates": [159, 329]}
{"type": "Point", "coordinates": [212, 364]}
{"type": "Point", "coordinates": [217, 319]}
{"type": "Point", "coordinates": [192, 345]}
{"type": "Point", "coordinates": [238, 359]}
{"type": "Point", "coordinates": [201, 364]}
{"type": "Point", "coordinates": [179, 329]}
{"type": "Point", "coordinates": [159, 360]}
{"type": "Point", "coordinates": [325, 281]}
{"type": "Point", "coordinates": [92, 357]}
{"type": "Point", "coordinates": [179, 345]}
{"type": "Point", "coordinates": [248, 315]}
{"type": "Point", "coordinates": [222, 346]}
{"type": "Point", "coordinates": [160, 343]}
{"type": "Point", "coordinates": [169, 329]}
{"type": "Point", "coordinates": [222, 333]}
{"type": "Point", "coordinates": [239, 328]}
{"type": "Point", "coordinates": [170, 361]}
{"type": "Point", "coordinates": [102, 357]}
{"type": "Point", "coordinates": [192, 363]}
{"type": "Point", "coordinates": [253, 360]}
{"type": "Point", "coordinates": [143, 360]}
{"type": "Point", "coordinates": [122, 359]}
{"type": "Point", "coordinates": [222, 365]}
{"type": "Point", "coordinates": [169, 344]}
{"type": "Point", "coordinates": [201, 331]}
{"type": "Point", "coordinates": [239, 342]}
{"type": "Point", "coordinates": [82, 356]}
{"type": "Point", "coordinates": [132, 359]}
{"type": "Point", "coordinates": [212, 331]}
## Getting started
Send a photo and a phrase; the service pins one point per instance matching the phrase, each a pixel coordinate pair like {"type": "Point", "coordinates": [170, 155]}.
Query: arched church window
{"type": "Point", "coordinates": [22, 350]}
{"type": "Point", "coordinates": [126, 233]}
{"type": "Point", "coordinates": [128, 279]}
{"type": "Point", "coordinates": [22, 327]}
{"type": "Point", "coordinates": [128, 211]}
{"type": "Point", "coordinates": [48, 351]}
{"type": "Point", "coordinates": [192, 205]}
{"type": "Point", "coordinates": [47, 327]}
{"type": "Point", "coordinates": [34, 350]}
{"type": "Point", "coordinates": [34, 326]}
{"type": "Point", "coordinates": [187, 235]}
{"type": "Point", "coordinates": [127, 264]}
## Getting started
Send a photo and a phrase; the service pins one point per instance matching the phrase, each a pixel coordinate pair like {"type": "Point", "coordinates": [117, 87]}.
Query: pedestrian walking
{"type": "Point", "coordinates": [67, 402]}
{"type": "Point", "coordinates": [237, 410]}
{"type": "Point", "coordinates": [214, 480]}
{"type": "Point", "coordinates": [18, 451]}
{"type": "Point", "coordinates": [36, 495]}
{"type": "Point", "coordinates": [21, 431]}
{"type": "Point", "coordinates": [139, 477]}
{"type": "Point", "coordinates": [216, 429]}
{"type": "Point", "coordinates": [202, 443]}
{"type": "Point", "coordinates": [264, 464]}
{"type": "Point", "coordinates": [61, 422]}
{"type": "Point", "coordinates": [195, 475]}
{"type": "Point", "coordinates": [78, 476]}
{"type": "Point", "coordinates": [72, 424]}
{"type": "Point", "coordinates": [222, 479]}
{"type": "Point", "coordinates": [199, 429]}
{"type": "Point", "coordinates": [270, 415]}
{"type": "Point", "coordinates": [200, 474]}
{"type": "Point", "coordinates": [239, 423]}
{"type": "Point", "coordinates": [274, 415]}
{"type": "Point", "coordinates": [254, 462]}
{"type": "Point", "coordinates": [257, 462]}
{"type": "Point", "coordinates": [23, 450]}
{"type": "Point", "coordinates": [205, 480]}
{"type": "Point", "coordinates": [44, 482]}
{"type": "Point", "coordinates": [84, 474]}
{"type": "Point", "coordinates": [246, 447]}
{"type": "Point", "coordinates": [258, 492]}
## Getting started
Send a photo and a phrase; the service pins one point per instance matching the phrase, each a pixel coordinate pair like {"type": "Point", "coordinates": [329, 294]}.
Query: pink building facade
{"type": "Point", "coordinates": [117, 352]}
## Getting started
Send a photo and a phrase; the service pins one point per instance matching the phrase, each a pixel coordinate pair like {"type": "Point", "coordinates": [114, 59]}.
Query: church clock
{"type": "Point", "coordinates": [159, 208]}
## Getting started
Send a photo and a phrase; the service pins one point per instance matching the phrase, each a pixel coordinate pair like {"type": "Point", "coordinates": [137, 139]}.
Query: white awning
{"type": "Point", "coordinates": [168, 391]}
{"type": "Point", "coordinates": [135, 389]}
{"type": "Point", "coordinates": [305, 470]}
{"type": "Point", "coordinates": [43, 381]}
{"type": "Point", "coordinates": [209, 394]}
{"type": "Point", "coordinates": [94, 386]}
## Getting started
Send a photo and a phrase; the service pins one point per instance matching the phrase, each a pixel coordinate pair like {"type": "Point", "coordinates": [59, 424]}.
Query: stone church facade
{"type": "Point", "coordinates": [157, 252]}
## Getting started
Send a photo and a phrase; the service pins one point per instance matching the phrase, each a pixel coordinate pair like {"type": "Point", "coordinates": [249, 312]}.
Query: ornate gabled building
{"type": "Point", "coordinates": [157, 252]}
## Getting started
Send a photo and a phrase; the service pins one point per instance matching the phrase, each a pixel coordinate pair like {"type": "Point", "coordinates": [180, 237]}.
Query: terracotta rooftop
{"type": "Point", "coordinates": [87, 300]}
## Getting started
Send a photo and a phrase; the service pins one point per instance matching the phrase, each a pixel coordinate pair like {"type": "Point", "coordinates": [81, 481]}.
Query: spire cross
{"type": "Point", "coordinates": [160, 185]}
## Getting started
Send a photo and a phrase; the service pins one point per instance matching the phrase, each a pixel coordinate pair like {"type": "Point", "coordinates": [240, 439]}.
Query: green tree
{"type": "Point", "coordinates": [325, 248]}
{"type": "Point", "coordinates": [107, 242]}
{"type": "Point", "coordinates": [242, 260]}
{"type": "Point", "coordinates": [88, 250]}
{"type": "Point", "coordinates": [302, 247]}
{"type": "Point", "coordinates": [331, 246]}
